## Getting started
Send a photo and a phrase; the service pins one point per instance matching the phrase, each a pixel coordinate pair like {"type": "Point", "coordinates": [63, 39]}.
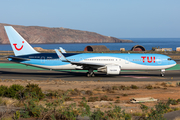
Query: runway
{"type": "Point", "coordinates": [28, 74]}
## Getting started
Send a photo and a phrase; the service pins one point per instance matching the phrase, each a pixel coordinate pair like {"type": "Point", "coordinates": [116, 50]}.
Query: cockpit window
{"type": "Point", "coordinates": [169, 59]}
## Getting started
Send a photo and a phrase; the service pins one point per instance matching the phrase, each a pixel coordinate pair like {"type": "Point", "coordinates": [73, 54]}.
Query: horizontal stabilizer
{"type": "Point", "coordinates": [18, 58]}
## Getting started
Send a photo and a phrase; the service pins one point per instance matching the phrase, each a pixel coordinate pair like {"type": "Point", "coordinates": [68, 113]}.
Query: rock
{"type": "Point", "coordinates": [82, 118]}
{"type": "Point", "coordinates": [45, 35]}
{"type": "Point", "coordinates": [96, 106]}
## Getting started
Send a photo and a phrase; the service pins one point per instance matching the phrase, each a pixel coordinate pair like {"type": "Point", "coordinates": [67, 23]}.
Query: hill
{"type": "Point", "coordinates": [45, 35]}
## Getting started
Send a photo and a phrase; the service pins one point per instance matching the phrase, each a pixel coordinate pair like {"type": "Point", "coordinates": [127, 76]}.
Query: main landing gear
{"type": "Point", "coordinates": [162, 73]}
{"type": "Point", "coordinates": [90, 73]}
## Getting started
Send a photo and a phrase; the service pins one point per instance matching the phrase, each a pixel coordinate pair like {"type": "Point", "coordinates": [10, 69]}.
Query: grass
{"type": "Point", "coordinates": [8, 101]}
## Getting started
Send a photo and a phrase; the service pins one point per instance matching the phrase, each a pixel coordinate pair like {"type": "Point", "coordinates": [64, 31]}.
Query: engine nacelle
{"type": "Point", "coordinates": [110, 69]}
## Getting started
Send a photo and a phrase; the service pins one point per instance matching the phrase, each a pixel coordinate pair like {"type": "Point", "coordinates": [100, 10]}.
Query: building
{"type": "Point", "coordinates": [164, 49]}
{"type": "Point", "coordinates": [122, 49]}
{"type": "Point", "coordinates": [178, 49]}
{"type": "Point", "coordinates": [138, 48]}
{"type": "Point", "coordinates": [98, 48]}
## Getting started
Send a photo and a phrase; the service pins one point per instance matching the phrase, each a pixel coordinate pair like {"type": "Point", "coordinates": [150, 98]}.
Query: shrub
{"type": "Point", "coordinates": [117, 101]}
{"type": "Point", "coordinates": [178, 83]}
{"type": "Point", "coordinates": [121, 87]}
{"type": "Point", "coordinates": [178, 100]}
{"type": "Point", "coordinates": [157, 112]}
{"type": "Point", "coordinates": [137, 114]}
{"type": "Point", "coordinates": [68, 98]}
{"type": "Point", "coordinates": [93, 99]}
{"type": "Point", "coordinates": [115, 88]}
{"type": "Point", "coordinates": [176, 109]}
{"type": "Point", "coordinates": [104, 98]}
{"type": "Point", "coordinates": [125, 95]}
{"type": "Point", "coordinates": [84, 99]}
{"type": "Point", "coordinates": [84, 109]}
{"type": "Point", "coordinates": [134, 87]}
{"type": "Point", "coordinates": [15, 91]}
{"type": "Point", "coordinates": [67, 113]}
{"type": "Point", "coordinates": [144, 108]}
{"type": "Point", "coordinates": [97, 115]}
{"type": "Point", "coordinates": [33, 91]}
{"type": "Point", "coordinates": [54, 94]}
{"type": "Point", "coordinates": [172, 101]}
{"type": "Point", "coordinates": [31, 109]}
{"type": "Point", "coordinates": [107, 88]}
{"type": "Point", "coordinates": [17, 115]}
{"type": "Point", "coordinates": [89, 92]}
{"type": "Point", "coordinates": [117, 113]}
{"type": "Point", "coordinates": [149, 87]}
{"type": "Point", "coordinates": [75, 92]}
{"type": "Point", "coordinates": [3, 90]}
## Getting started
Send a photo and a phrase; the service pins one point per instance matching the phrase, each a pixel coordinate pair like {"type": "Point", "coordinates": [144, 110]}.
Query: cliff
{"type": "Point", "coordinates": [45, 35]}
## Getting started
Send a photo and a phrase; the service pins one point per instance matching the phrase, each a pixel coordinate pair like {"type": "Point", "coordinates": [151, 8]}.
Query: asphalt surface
{"type": "Point", "coordinates": [28, 74]}
{"type": "Point", "coordinates": [9, 70]}
{"type": "Point", "coordinates": [172, 115]}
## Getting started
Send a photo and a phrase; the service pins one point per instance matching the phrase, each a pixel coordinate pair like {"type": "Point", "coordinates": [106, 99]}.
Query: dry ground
{"type": "Point", "coordinates": [161, 91]}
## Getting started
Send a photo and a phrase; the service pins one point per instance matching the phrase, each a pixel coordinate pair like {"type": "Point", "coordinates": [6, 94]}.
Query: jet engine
{"type": "Point", "coordinates": [110, 69]}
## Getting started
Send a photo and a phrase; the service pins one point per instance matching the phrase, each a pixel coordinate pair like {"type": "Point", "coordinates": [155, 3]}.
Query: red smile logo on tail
{"type": "Point", "coordinates": [18, 48]}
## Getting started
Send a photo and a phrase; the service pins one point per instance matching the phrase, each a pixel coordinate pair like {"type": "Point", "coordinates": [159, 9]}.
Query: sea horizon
{"type": "Point", "coordinates": [148, 43]}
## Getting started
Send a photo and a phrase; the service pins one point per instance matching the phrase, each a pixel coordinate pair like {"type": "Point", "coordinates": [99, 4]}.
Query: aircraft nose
{"type": "Point", "coordinates": [173, 62]}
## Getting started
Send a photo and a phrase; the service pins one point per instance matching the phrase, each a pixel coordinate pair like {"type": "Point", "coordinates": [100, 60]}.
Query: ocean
{"type": "Point", "coordinates": [148, 43]}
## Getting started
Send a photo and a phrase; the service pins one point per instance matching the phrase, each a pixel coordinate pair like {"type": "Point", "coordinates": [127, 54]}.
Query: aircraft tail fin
{"type": "Point", "coordinates": [19, 45]}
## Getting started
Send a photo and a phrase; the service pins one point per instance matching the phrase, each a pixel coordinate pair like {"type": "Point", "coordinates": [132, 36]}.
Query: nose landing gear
{"type": "Point", "coordinates": [162, 73]}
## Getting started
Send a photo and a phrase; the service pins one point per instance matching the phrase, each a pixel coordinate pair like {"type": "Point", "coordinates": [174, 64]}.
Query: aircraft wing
{"type": "Point", "coordinates": [85, 64]}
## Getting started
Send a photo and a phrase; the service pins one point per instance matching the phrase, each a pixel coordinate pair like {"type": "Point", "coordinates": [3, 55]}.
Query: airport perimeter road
{"type": "Point", "coordinates": [27, 74]}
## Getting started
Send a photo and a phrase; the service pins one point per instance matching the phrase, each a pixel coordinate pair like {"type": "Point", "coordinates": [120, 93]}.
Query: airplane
{"type": "Point", "coordinates": [109, 63]}
{"type": "Point", "coordinates": [62, 50]}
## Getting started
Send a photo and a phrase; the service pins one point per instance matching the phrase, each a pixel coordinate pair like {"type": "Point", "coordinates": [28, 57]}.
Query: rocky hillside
{"type": "Point", "coordinates": [38, 35]}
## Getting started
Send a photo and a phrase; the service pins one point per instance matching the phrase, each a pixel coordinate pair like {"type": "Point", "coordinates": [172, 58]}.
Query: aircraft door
{"type": "Point", "coordinates": [159, 61]}
{"type": "Point", "coordinates": [80, 59]}
{"type": "Point", "coordinates": [126, 60]}
{"type": "Point", "coordinates": [42, 59]}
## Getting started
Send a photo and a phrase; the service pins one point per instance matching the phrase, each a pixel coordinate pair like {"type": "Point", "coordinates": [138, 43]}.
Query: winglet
{"type": "Point", "coordinates": [62, 50]}
{"type": "Point", "coordinates": [61, 56]}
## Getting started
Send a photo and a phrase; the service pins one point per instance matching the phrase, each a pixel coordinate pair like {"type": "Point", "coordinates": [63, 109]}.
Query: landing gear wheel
{"type": "Point", "coordinates": [162, 73]}
{"type": "Point", "coordinates": [90, 74]}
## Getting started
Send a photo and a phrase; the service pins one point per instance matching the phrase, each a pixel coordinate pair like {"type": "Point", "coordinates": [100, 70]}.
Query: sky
{"type": "Point", "coordinates": [117, 18]}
